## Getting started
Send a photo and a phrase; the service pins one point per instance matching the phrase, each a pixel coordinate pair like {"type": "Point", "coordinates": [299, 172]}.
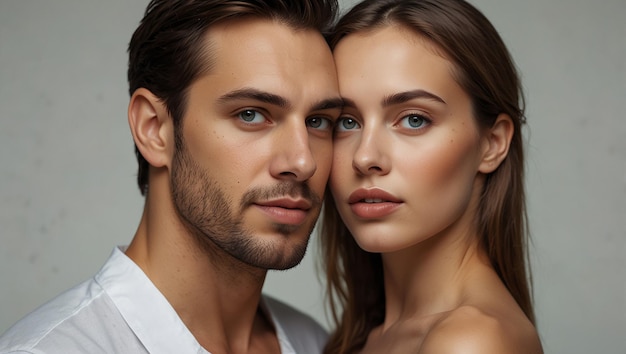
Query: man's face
{"type": "Point", "coordinates": [256, 149]}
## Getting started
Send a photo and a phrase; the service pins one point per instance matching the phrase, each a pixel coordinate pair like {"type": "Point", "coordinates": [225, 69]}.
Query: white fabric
{"type": "Point", "coordinates": [120, 310]}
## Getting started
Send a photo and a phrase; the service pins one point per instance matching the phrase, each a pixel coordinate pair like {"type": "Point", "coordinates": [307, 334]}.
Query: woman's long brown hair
{"type": "Point", "coordinates": [485, 70]}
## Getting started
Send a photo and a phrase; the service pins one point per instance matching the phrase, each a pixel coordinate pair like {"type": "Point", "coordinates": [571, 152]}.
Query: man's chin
{"type": "Point", "coordinates": [281, 256]}
{"type": "Point", "coordinates": [287, 263]}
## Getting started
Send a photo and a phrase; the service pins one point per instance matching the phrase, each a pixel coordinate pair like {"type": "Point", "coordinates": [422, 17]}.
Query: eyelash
{"type": "Point", "coordinates": [339, 125]}
{"type": "Point", "coordinates": [325, 123]}
{"type": "Point", "coordinates": [248, 110]}
{"type": "Point", "coordinates": [425, 121]}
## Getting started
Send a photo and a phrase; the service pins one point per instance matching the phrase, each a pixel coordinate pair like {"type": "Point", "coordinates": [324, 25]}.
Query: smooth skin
{"type": "Point", "coordinates": [409, 164]}
{"type": "Point", "coordinates": [243, 193]}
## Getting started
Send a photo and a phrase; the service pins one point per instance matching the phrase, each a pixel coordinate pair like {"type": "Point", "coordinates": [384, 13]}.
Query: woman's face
{"type": "Point", "coordinates": [407, 148]}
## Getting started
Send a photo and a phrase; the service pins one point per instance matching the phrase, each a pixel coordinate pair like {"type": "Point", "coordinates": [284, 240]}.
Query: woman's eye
{"type": "Point", "coordinates": [319, 123]}
{"type": "Point", "coordinates": [344, 124]}
{"type": "Point", "coordinates": [414, 121]}
{"type": "Point", "coordinates": [251, 116]}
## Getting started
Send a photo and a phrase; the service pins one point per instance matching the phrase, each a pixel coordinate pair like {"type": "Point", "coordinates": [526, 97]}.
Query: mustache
{"type": "Point", "coordinates": [292, 189]}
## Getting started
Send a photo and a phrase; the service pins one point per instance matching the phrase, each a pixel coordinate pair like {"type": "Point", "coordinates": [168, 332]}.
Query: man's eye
{"type": "Point", "coordinates": [251, 116]}
{"type": "Point", "coordinates": [319, 123]}
{"type": "Point", "coordinates": [344, 124]}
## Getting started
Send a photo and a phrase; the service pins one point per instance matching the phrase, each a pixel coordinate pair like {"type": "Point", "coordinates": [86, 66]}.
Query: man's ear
{"type": "Point", "coordinates": [496, 142]}
{"type": "Point", "coordinates": [151, 127]}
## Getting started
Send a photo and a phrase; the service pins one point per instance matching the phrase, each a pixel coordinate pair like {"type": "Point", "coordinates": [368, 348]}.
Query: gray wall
{"type": "Point", "coordinates": [67, 182]}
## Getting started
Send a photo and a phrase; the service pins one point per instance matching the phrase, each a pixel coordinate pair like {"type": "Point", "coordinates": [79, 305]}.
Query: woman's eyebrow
{"type": "Point", "coordinates": [402, 97]}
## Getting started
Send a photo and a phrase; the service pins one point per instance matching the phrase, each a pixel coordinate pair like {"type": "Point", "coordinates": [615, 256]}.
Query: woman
{"type": "Point", "coordinates": [428, 251]}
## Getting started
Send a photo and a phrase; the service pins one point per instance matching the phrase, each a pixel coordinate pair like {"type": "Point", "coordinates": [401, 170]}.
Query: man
{"type": "Point", "coordinates": [231, 110]}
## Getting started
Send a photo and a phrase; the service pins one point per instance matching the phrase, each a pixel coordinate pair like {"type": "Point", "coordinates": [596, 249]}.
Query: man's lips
{"type": "Point", "coordinates": [373, 203]}
{"type": "Point", "coordinates": [286, 203]}
{"type": "Point", "coordinates": [285, 211]}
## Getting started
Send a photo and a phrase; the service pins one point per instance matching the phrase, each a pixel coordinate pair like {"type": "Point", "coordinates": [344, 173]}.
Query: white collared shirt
{"type": "Point", "coordinates": [120, 310]}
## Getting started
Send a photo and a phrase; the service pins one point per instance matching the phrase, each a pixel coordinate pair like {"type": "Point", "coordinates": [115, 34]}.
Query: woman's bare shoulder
{"type": "Point", "coordinates": [469, 330]}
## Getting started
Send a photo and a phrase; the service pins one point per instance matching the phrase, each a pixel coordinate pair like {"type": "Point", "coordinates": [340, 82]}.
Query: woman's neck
{"type": "Point", "coordinates": [431, 277]}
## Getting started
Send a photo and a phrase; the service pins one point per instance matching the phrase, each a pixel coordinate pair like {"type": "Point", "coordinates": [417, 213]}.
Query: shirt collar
{"type": "Point", "coordinates": [148, 313]}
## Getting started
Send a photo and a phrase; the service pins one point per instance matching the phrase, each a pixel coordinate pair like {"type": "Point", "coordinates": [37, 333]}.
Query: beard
{"type": "Point", "coordinates": [207, 214]}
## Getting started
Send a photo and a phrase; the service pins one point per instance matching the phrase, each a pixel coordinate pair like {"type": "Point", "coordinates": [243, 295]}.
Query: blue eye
{"type": "Point", "coordinates": [414, 121]}
{"type": "Point", "coordinates": [344, 124]}
{"type": "Point", "coordinates": [251, 116]}
{"type": "Point", "coordinates": [319, 123]}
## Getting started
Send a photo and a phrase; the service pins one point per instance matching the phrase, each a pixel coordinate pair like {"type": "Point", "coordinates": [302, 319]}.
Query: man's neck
{"type": "Point", "coordinates": [216, 296]}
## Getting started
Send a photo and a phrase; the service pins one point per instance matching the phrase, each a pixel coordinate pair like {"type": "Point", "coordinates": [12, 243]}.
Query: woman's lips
{"type": "Point", "coordinates": [373, 203]}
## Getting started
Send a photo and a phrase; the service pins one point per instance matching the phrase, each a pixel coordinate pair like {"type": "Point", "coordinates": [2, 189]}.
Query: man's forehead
{"type": "Point", "coordinates": [264, 58]}
{"type": "Point", "coordinates": [261, 30]}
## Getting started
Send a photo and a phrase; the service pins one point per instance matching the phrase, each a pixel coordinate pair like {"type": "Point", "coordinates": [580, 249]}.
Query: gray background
{"type": "Point", "coordinates": [67, 181]}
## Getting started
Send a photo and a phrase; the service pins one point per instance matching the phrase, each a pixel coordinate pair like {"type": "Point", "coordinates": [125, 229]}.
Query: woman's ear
{"type": "Point", "coordinates": [151, 127]}
{"type": "Point", "coordinates": [496, 142]}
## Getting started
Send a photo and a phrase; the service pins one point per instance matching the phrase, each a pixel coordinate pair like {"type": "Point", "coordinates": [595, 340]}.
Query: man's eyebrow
{"type": "Point", "coordinates": [257, 95]}
{"type": "Point", "coordinates": [330, 103]}
{"type": "Point", "coordinates": [402, 97]}
{"type": "Point", "coordinates": [349, 103]}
